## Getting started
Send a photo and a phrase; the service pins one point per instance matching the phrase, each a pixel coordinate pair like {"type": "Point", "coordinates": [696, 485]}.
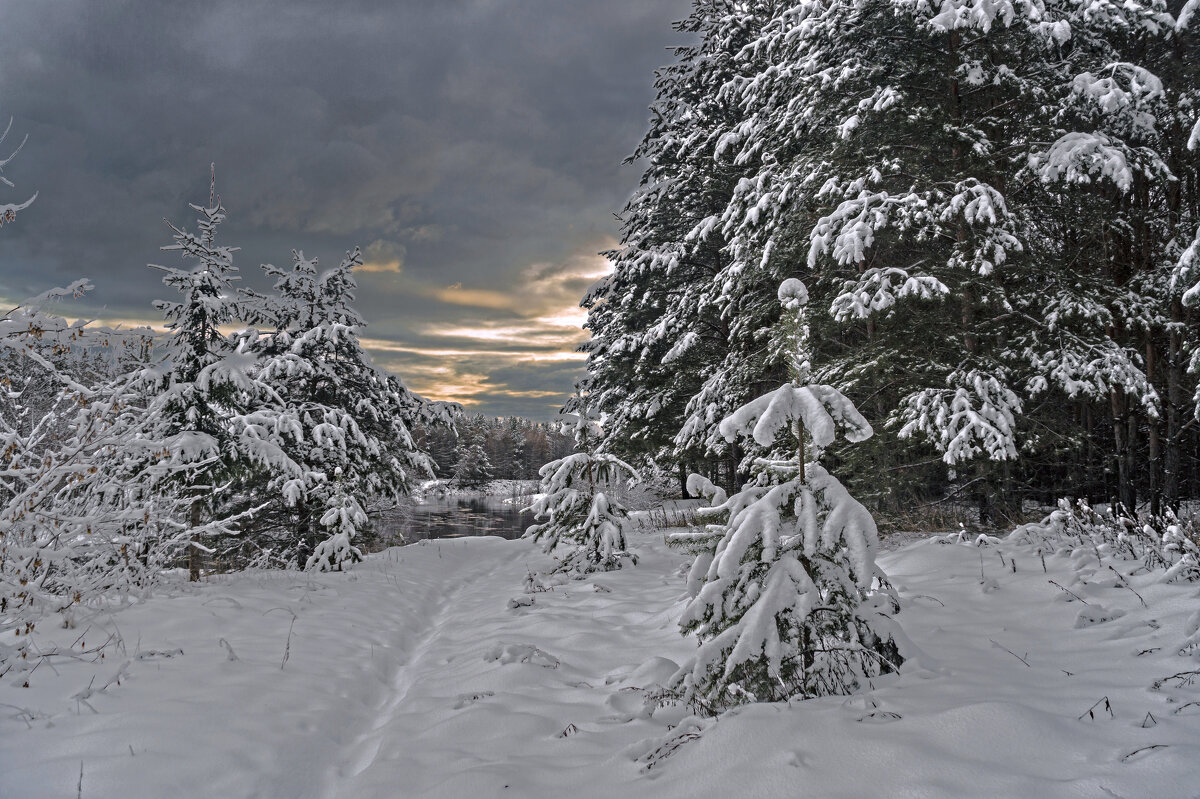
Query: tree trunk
{"type": "Point", "coordinates": [1153, 439]}
{"type": "Point", "coordinates": [731, 475]}
{"type": "Point", "coordinates": [1126, 493]}
{"type": "Point", "coordinates": [1172, 456]}
{"type": "Point", "coordinates": [194, 520]}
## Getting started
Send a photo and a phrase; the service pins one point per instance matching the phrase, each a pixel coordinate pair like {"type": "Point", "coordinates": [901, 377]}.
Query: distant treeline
{"type": "Point", "coordinates": [492, 448]}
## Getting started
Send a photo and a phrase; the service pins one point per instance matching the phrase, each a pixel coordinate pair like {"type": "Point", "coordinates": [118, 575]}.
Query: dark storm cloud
{"type": "Point", "coordinates": [472, 147]}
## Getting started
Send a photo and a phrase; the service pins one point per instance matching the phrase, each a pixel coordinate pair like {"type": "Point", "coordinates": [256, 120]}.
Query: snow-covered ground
{"type": "Point", "coordinates": [426, 672]}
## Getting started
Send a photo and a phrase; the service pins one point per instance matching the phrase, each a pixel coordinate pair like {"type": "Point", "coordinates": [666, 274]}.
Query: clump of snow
{"type": "Point", "coordinates": [701, 486]}
{"type": "Point", "coordinates": [793, 294]}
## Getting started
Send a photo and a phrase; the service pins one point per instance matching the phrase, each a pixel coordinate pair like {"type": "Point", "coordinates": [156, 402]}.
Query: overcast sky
{"type": "Point", "coordinates": [473, 149]}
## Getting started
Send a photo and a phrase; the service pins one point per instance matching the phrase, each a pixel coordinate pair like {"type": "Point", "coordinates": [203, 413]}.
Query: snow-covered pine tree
{"type": "Point", "coordinates": [472, 467]}
{"type": "Point", "coordinates": [790, 604]}
{"type": "Point", "coordinates": [576, 500]}
{"type": "Point", "coordinates": [1127, 151]}
{"type": "Point", "coordinates": [666, 360]}
{"type": "Point", "coordinates": [352, 420]}
{"type": "Point", "coordinates": [220, 424]}
{"type": "Point", "coordinates": [898, 143]}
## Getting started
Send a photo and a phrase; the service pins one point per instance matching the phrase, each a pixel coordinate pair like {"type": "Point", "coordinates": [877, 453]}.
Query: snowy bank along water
{"type": "Point", "coordinates": [440, 669]}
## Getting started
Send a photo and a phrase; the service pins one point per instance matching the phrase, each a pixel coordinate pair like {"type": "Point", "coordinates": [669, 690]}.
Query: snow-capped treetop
{"type": "Point", "coordinates": [207, 300]}
{"type": "Point", "coordinates": [793, 294]}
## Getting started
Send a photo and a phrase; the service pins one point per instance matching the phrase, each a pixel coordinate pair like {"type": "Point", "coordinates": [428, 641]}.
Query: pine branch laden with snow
{"type": "Point", "coordinates": [701, 486]}
{"type": "Point", "coordinates": [822, 411]}
{"type": "Point", "coordinates": [789, 603]}
{"type": "Point", "coordinates": [974, 417]}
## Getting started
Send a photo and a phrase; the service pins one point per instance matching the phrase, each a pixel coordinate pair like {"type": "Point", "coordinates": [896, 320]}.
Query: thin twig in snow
{"type": "Point", "coordinates": [1091, 711]}
{"type": "Point", "coordinates": [1014, 654]}
{"type": "Point", "coordinates": [1072, 593]}
{"type": "Point", "coordinates": [287, 650]}
{"type": "Point", "coordinates": [1151, 747]}
{"type": "Point", "coordinates": [1125, 584]}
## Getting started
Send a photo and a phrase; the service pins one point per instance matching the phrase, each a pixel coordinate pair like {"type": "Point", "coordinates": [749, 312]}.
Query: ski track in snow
{"type": "Point", "coordinates": [361, 754]}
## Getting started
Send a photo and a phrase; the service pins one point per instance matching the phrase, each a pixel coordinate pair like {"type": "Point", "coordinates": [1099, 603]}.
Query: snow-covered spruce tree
{"type": "Point", "coordinates": [472, 467]}
{"type": "Point", "coordinates": [666, 360]}
{"type": "Point", "coordinates": [219, 423]}
{"type": "Point", "coordinates": [791, 603]}
{"type": "Point", "coordinates": [575, 499]}
{"type": "Point", "coordinates": [1130, 150]}
{"type": "Point", "coordinates": [351, 419]}
{"type": "Point", "coordinates": [899, 139]}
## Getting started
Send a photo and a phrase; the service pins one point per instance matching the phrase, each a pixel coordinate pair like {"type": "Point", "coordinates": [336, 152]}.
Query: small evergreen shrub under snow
{"type": "Point", "coordinates": [789, 603]}
{"type": "Point", "coordinates": [343, 516]}
{"type": "Point", "coordinates": [579, 511]}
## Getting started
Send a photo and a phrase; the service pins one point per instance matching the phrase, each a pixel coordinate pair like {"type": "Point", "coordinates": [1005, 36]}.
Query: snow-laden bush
{"type": "Point", "coordinates": [84, 519]}
{"type": "Point", "coordinates": [576, 500]}
{"type": "Point", "coordinates": [1165, 543]}
{"type": "Point", "coordinates": [343, 517]}
{"type": "Point", "coordinates": [790, 602]}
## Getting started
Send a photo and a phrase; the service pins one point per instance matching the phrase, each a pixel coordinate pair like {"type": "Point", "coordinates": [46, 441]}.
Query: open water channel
{"type": "Point", "coordinates": [456, 516]}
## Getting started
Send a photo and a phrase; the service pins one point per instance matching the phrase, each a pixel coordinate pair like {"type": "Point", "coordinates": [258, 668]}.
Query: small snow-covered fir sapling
{"type": "Point", "coordinates": [790, 604]}
{"type": "Point", "coordinates": [343, 517]}
{"type": "Point", "coordinates": [576, 502]}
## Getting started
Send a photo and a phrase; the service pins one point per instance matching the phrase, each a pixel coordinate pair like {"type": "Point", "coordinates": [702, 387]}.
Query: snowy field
{"type": "Point", "coordinates": [428, 671]}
